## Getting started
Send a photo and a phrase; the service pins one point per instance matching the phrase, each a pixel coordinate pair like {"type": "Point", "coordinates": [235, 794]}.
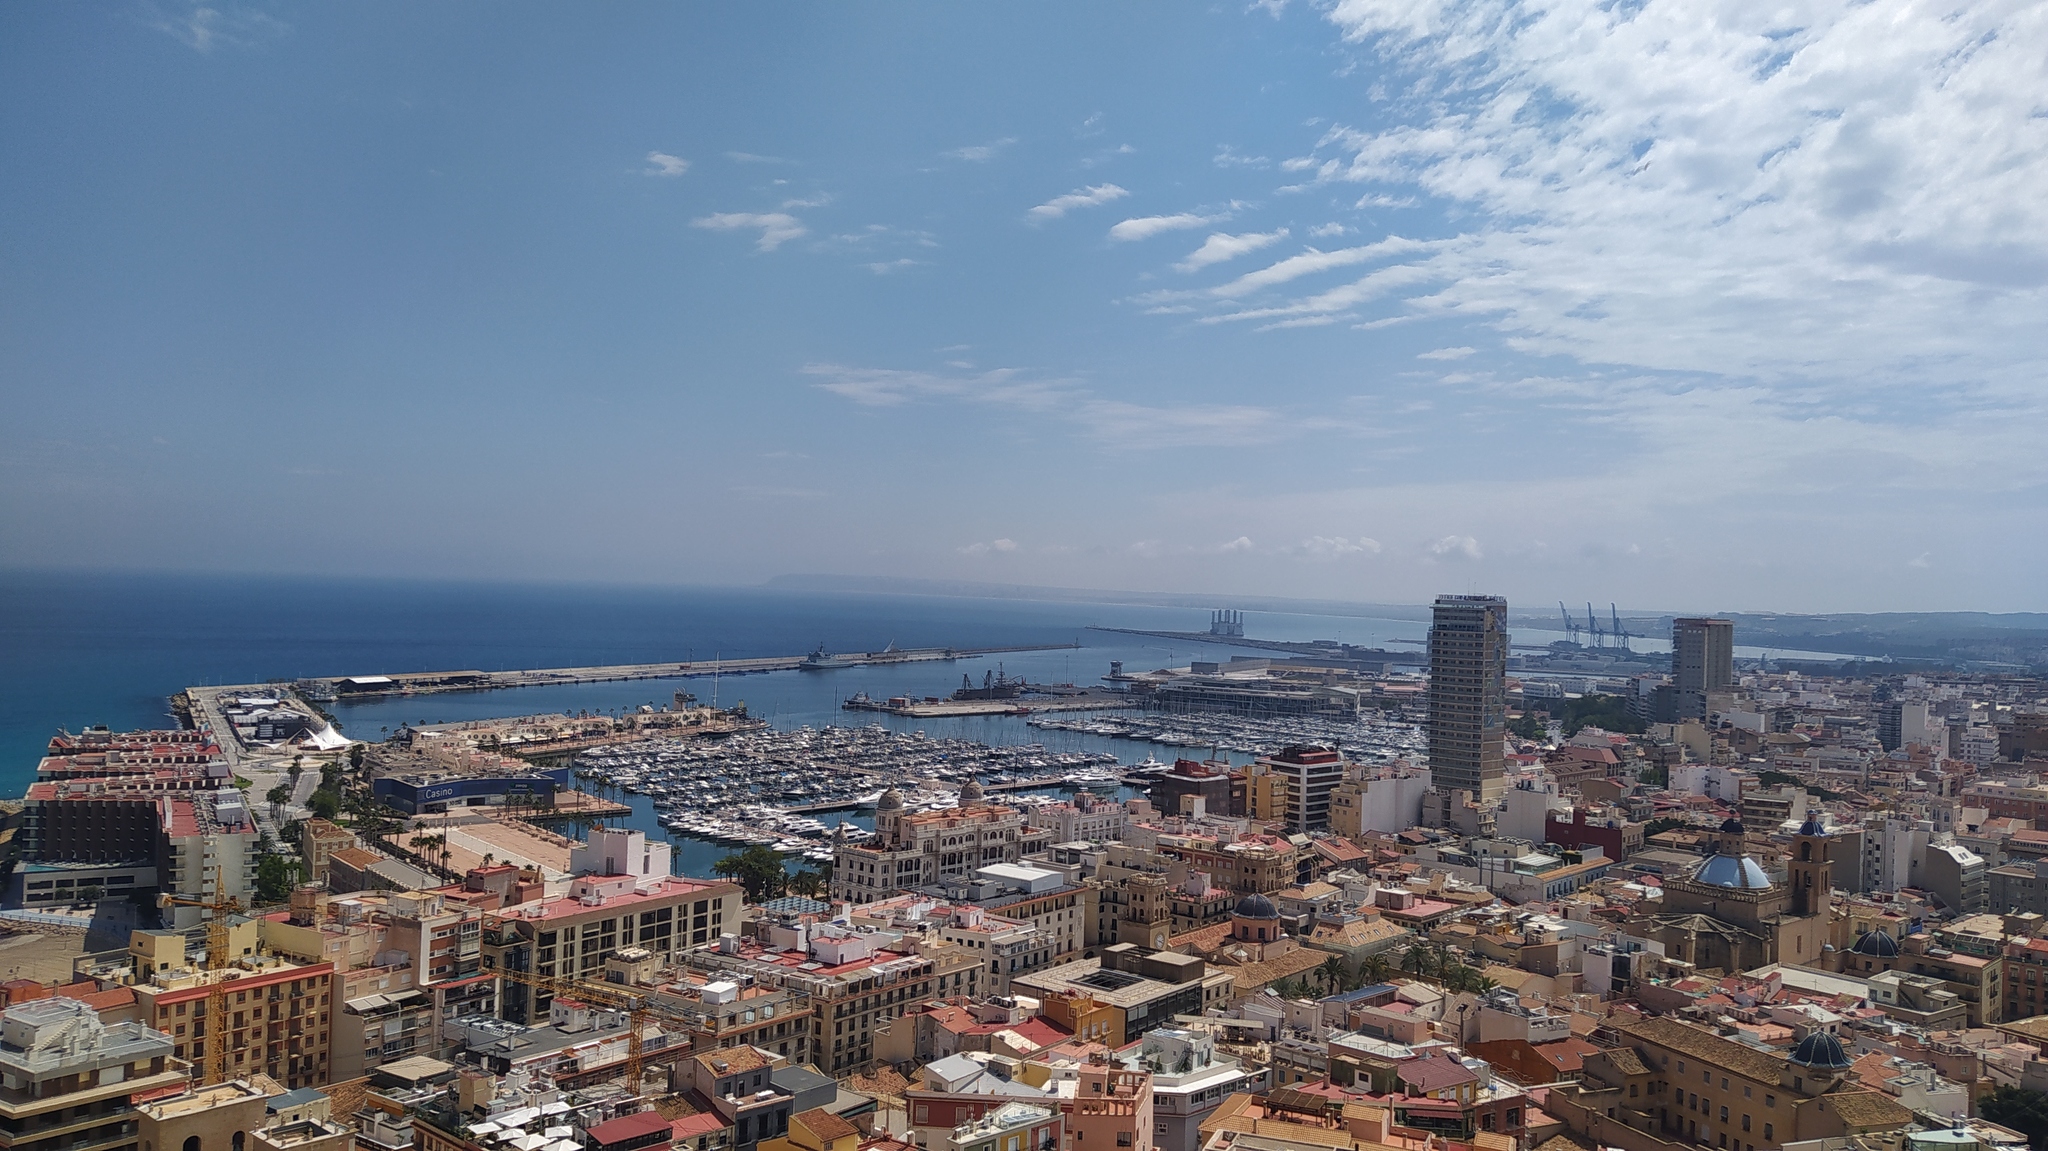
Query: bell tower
{"type": "Point", "coordinates": [1810, 871]}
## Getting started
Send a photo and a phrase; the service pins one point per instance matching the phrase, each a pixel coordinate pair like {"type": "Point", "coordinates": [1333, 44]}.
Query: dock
{"type": "Point", "coordinates": [426, 682]}
{"type": "Point", "coordinates": [951, 708]}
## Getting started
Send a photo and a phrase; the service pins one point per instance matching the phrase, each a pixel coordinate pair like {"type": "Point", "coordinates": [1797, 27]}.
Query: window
{"type": "Point", "coordinates": [1724, 1114]}
{"type": "Point", "coordinates": [1770, 1100]}
{"type": "Point", "coordinates": [1769, 1134]}
{"type": "Point", "coordinates": [1745, 1122]}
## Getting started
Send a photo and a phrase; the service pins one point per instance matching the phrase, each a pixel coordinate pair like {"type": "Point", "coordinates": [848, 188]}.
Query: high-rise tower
{"type": "Point", "coordinates": [1468, 695]}
{"type": "Point", "coordinates": [1702, 662]}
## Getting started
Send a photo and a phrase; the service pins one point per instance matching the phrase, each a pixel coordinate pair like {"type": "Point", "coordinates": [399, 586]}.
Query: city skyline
{"type": "Point", "coordinates": [1322, 302]}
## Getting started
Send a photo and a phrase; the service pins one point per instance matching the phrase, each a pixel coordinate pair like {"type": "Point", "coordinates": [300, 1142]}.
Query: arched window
{"type": "Point", "coordinates": [192, 1143]}
{"type": "Point", "coordinates": [1805, 852]}
{"type": "Point", "coordinates": [239, 1139]}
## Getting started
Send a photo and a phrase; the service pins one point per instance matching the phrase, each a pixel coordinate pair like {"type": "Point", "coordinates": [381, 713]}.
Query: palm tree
{"type": "Point", "coordinates": [1419, 959]}
{"type": "Point", "coordinates": [1376, 968]}
{"type": "Point", "coordinates": [1332, 971]}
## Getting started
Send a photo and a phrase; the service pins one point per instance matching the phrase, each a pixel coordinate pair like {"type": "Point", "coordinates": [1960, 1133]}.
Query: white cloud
{"type": "Point", "coordinates": [755, 158]}
{"type": "Point", "coordinates": [1337, 547]}
{"type": "Point", "coordinates": [1445, 354]}
{"type": "Point", "coordinates": [1118, 422]}
{"type": "Point", "coordinates": [1228, 157]}
{"type": "Point", "coordinates": [1221, 246]}
{"type": "Point", "coordinates": [1088, 197]}
{"type": "Point", "coordinates": [982, 549]}
{"type": "Point", "coordinates": [1145, 227]}
{"type": "Point", "coordinates": [817, 200]}
{"type": "Point", "coordinates": [1844, 192]}
{"type": "Point", "coordinates": [202, 27]}
{"type": "Point", "coordinates": [1240, 544]}
{"type": "Point", "coordinates": [981, 153]}
{"type": "Point", "coordinates": [1324, 231]}
{"type": "Point", "coordinates": [663, 164]}
{"type": "Point", "coordinates": [1456, 548]}
{"type": "Point", "coordinates": [777, 228]}
{"type": "Point", "coordinates": [884, 267]}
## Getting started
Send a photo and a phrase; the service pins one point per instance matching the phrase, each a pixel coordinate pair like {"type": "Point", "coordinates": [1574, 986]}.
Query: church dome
{"type": "Point", "coordinates": [1877, 945]}
{"type": "Point", "coordinates": [1822, 1052]}
{"type": "Point", "coordinates": [892, 800]}
{"type": "Point", "coordinates": [1256, 906]}
{"type": "Point", "coordinates": [1737, 871]}
{"type": "Point", "coordinates": [1812, 826]}
{"type": "Point", "coordinates": [972, 793]}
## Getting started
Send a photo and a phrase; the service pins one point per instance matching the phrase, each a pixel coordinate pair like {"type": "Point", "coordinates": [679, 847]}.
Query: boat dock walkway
{"type": "Point", "coordinates": [415, 683]}
{"type": "Point", "coordinates": [947, 708]}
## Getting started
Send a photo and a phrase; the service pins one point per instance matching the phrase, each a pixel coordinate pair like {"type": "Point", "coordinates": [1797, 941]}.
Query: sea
{"type": "Point", "coordinates": [78, 649]}
{"type": "Point", "coordinates": [110, 648]}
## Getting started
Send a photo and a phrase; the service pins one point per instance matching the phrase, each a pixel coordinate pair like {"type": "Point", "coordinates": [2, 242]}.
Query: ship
{"type": "Point", "coordinates": [822, 660]}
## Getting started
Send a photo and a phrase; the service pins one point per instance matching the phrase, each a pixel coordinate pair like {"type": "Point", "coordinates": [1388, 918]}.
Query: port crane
{"type": "Point", "coordinates": [217, 958]}
{"type": "Point", "coordinates": [1571, 626]}
{"type": "Point", "coordinates": [1621, 634]}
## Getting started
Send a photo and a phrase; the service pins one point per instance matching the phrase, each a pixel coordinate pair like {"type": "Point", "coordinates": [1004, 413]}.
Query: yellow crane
{"type": "Point", "coordinates": [217, 959]}
{"type": "Point", "coordinates": [639, 1008]}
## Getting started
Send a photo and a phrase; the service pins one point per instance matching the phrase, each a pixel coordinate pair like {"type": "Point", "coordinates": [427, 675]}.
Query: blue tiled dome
{"type": "Point", "coordinates": [1256, 906]}
{"type": "Point", "coordinates": [1733, 871]}
{"type": "Point", "coordinates": [1822, 1052]}
{"type": "Point", "coordinates": [1812, 826]}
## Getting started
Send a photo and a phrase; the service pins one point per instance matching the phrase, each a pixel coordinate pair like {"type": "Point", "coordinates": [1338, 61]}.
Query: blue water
{"type": "Point", "coordinates": [80, 649]}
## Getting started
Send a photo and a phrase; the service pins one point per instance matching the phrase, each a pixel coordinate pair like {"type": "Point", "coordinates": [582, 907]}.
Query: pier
{"type": "Point", "coordinates": [927, 708]}
{"type": "Point", "coordinates": [424, 682]}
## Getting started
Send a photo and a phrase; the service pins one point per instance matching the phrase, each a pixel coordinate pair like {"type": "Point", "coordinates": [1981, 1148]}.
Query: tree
{"type": "Point", "coordinates": [759, 869]}
{"type": "Point", "coordinates": [278, 796]}
{"type": "Point", "coordinates": [324, 803]}
{"type": "Point", "coordinates": [1419, 960]}
{"type": "Point", "coordinates": [1376, 968]}
{"type": "Point", "coordinates": [1531, 725]}
{"type": "Point", "coordinates": [276, 876]}
{"type": "Point", "coordinates": [2022, 1110]}
{"type": "Point", "coordinates": [1607, 712]}
{"type": "Point", "coordinates": [1332, 972]}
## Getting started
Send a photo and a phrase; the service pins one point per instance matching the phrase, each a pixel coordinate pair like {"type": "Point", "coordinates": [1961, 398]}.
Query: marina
{"type": "Point", "coordinates": [1369, 736]}
{"type": "Point", "coordinates": [768, 787]}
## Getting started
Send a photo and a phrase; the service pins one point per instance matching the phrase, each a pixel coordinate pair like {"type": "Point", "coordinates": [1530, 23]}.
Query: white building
{"type": "Point", "coordinates": [1383, 799]}
{"type": "Point", "coordinates": [1527, 806]}
{"type": "Point", "coordinates": [616, 851]}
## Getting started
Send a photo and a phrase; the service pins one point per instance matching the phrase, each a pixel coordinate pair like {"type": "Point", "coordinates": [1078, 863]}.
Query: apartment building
{"type": "Point", "coordinates": [70, 1077]}
{"type": "Point", "coordinates": [1468, 654]}
{"type": "Point", "coordinates": [853, 978]}
{"type": "Point", "coordinates": [280, 1018]}
{"type": "Point", "coordinates": [637, 905]}
{"type": "Point", "coordinates": [1293, 786]}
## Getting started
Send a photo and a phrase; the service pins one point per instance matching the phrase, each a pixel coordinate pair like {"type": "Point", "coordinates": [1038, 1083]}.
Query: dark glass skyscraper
{"type": "Point", "coordinates": [1468, 695]}
{"type": "Point", "coordinates": [1702, 662]}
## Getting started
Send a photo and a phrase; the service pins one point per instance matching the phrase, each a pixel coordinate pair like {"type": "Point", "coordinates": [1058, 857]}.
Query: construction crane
{"type": "Point", "coordinates": [1571, 626]}
{"type": "Point", "coordinates": [1593, 624]}
{"type": "Point", "coordinates": [1621, 634]}
{"type": "Point", "coordinates": [638, 1007]}
{"type": "Point", "coordinates": [217, 958]}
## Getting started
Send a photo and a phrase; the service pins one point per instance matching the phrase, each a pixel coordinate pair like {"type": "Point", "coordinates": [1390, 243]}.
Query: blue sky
{"type": "Point", "coordinates": [1687, 306]}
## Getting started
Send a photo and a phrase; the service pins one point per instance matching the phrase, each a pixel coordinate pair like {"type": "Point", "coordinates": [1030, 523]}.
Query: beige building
{"type": "Point", "coordinates": [1729, 915]}
{"type": "Point", "coordinates": [69, 1076]}
{"type": "Point", "coordinates": [913, 849]}
{"type": "Point", "coordinates": [1674, 1084]}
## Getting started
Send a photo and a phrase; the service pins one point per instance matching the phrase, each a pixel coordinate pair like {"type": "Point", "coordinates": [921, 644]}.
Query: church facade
{"type": "Point", "coordinates": [1729, 916]}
